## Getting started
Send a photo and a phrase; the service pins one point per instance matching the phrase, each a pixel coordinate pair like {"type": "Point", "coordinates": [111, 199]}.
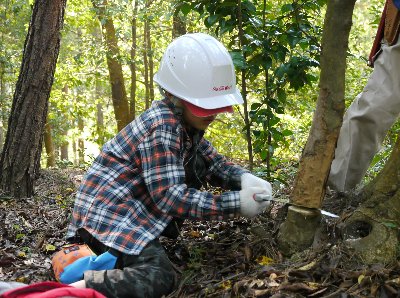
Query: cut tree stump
{"type": "Point", "coordinates": [298, 230]}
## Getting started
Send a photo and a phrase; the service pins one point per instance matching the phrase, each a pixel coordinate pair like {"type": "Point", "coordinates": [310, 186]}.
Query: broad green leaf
{"type": "Point", "coordinates": [185, 8]}
{"type": "Point", "coordinates": [286, 8]}
{"type": "Point", "coordinates": [211, 20]}
{"type": "Point", "coordinates": [238, 59]}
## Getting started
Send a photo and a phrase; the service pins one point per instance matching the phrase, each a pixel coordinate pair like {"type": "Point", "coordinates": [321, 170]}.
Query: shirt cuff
{"type": "Point", "coordinates": [230, 204]}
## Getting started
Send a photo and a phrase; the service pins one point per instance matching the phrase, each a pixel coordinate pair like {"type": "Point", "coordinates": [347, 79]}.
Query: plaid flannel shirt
{"type": "Point", "coordinates": [137, 183]}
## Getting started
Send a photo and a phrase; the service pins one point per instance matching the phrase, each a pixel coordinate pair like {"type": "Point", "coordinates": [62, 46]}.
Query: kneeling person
{"type": "Point", "coordinates": [146, 179]}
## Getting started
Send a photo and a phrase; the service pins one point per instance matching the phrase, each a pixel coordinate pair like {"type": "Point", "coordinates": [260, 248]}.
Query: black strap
{"type": "Point", "coordinates": [95, 245]}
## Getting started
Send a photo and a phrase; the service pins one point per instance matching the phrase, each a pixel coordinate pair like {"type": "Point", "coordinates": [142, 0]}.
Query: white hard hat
{"type": "Point", "coordinates": [198, 69]}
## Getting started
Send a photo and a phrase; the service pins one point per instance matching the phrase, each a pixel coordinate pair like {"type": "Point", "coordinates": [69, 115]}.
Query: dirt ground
{"type": "Point", "coordinates": [237, 258]}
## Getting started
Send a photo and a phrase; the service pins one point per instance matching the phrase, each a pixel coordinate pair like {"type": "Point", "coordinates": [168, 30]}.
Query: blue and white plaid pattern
{"type": "Point", "coordinates": [137, 183]}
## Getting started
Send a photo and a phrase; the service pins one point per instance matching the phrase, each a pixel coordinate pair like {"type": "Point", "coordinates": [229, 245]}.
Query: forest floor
{"type": "Point", "coordinates": [236, 258]}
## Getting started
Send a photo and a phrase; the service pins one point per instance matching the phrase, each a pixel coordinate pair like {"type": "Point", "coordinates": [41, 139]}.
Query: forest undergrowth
{"type": "Point", "coordinates": [235, 258]}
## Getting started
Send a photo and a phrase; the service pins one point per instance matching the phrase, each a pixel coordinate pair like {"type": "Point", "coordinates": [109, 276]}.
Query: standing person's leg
{"type": "Point", "coordinates": [150, 274]}
{"type": "Point", "coordinates": [367, 121]}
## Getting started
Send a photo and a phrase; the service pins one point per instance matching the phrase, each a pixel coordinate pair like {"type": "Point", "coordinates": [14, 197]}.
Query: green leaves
{"type": "Point", "coordinates": [211, 20]}
{"type": "Point", "coordinates": [295, 71]}
{"type": "Point", "coordinates": [238, 59]}
{"type": "Point", "coordinates": [184, 7]}
{"type": "Point", "coordinates": [277, 51]}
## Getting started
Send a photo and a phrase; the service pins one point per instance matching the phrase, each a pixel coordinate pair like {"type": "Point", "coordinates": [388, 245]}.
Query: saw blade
{"type": "Point", "coordinates": [265, 197]}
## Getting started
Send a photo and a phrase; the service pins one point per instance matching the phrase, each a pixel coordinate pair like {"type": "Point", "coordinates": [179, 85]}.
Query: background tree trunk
{"type": "Point", "coordinates": [118, 91]}
{"type": "Point", "coordinates": [75, 152]}
{"type": "Point", "coordinates": [64, 132]}
{"type": "Point", "coordinates": [49, 146]}
{"type": "Point", "coordinates": [2, 104]}
{"type": "Point", "coordinates": [244, 94]}
{"type": "Point", "coordinates": [151, 62]}
{"type": "Point", "coordinates": [146, 66]}
{"type": "Point", "coordinates": [20, 159]}
{"type": "Point", "coordinates": [64, 147]}
{"type": "Point", "coordinates": [81, 141]}
{"type": "Point", "coordinates": [178, 26]}
{"type": "Point", "coordinates": [81, 126]}
{"type": "Point", "coordinates": [132, 63]}
{"type": "Point", "coordinates": [99, 118]}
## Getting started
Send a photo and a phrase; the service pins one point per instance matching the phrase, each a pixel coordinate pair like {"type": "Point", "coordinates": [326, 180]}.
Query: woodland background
{"type": "Point", "coordinates": [276, 47]}
{"type": "Point", "coordinates": [109, 53]}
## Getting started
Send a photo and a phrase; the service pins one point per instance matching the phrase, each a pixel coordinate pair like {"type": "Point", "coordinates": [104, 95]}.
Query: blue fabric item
{"type": "Point", "coordinates": [74, 272]}
{"type": "Point", "coordinates": [397, 3]}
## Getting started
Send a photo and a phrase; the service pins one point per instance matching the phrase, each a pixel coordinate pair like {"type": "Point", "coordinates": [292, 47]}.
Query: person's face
{"type": "Point", "coordinates": [200, 123]}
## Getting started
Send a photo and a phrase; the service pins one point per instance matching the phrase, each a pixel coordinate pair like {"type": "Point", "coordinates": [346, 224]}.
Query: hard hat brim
{"type": "Point", "coordinates": [201, 112]}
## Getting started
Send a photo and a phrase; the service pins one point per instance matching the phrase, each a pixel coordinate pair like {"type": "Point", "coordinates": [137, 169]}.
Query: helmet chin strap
{"type": "Point", "coordinates": [178, 110]}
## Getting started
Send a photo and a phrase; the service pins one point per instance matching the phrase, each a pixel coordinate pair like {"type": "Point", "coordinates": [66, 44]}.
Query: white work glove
{"type": "Point", "coordinates": [249, 180]}
{"type": "Point", "coordinates": [249, 207]}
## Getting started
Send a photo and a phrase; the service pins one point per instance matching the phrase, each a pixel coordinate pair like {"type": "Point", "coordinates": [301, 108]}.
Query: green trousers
{"type": "Point", "coordinates": [147, 275]}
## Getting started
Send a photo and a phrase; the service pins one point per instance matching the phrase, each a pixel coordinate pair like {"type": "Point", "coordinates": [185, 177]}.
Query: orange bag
{"type": "Point", "coordinates": [67, 255]}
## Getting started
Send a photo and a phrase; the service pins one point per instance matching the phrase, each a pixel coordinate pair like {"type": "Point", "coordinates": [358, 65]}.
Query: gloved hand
{"type": "Point", "coordinates": [249, 180]}
{"type": "Point", "coordinates": [249, 207]}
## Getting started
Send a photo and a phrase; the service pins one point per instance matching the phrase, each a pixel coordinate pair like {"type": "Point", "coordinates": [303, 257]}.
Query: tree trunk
{"type": "Point", "coordinates": [178, 26]}
{"type": "Point", "coordinates": [100, 124]}
{"type": "Point", "coordinates": [75, 152]}
{"type": "Point", "coordinates": [118, 92]}
{"type": "Point", "coordinates": [81, 142]}
{"type": "Point", "coordinates": [132, 104]}
{"type": "Point", "coordinates": [310, 183]}
{"type": "Point", "coordinates": [49, 146]}
{"type": "Point", "coordinates": [20, 159]}
{"type": "Point", "coordinates": [100, 118]}
{"type": "Point", "coordinates": [244, 94]}
{"type": "Point", "coordinates": [64, 133]}
{"type": "Point", "coordinates": [2, 103]}
{"type": "Point", "coordinates": [3, 94]}
{"type": "Point", "coordinates": [309, 187]}
{"type": "Point", "coordinates": [64, 146]}
{"type": "Point", "coordinates": [146, 66]}
{"type": "Point", "coordinates": [372, 230]}
{"type": "Point", "coordinates": [151, 62]}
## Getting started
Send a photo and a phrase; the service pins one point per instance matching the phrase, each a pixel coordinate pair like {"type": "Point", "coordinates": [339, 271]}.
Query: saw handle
{"type": "Point", "coordinates": [260, 197]}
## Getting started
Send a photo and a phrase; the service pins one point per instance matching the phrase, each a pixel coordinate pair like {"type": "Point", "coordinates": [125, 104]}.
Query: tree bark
{"type": "Point", "coordinates": [75, 152]}
{"type": "Point", "coordinates": [146, 66]}
{"type": "Point", "coordinates": [100, 124]}
{"type": "Point", "coordinates": [310, 183]}
{"type": "Point", "coordinates": [100, 118]}
{"type": "Point", "coordinates": [118, 91]}
{"type": "Point", "coordinates": [132, 104]}
{"type": "Point", "coordinates": [20, 159]}
{"type": "Point", "coordinates": [81, 126]}
{"type": "Point", "coordinates": [372, 230]}
{"type": "Point", "coordinates": [49, 146]}
{"type": "Point", "coordinates": [64, 146]}
{"type": "Point", "coordinates": [2, 104]}
{"type": "Point", "coordinates": [178, 26]}
{"type": "Point", "coordinates": [81, 141]}
{"type": "Point", "coordinates": [244, 94]}
{"type": "Point", "coordinates": [151, 62]}
{"type": "Point", "coordinates": [64, 132]}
